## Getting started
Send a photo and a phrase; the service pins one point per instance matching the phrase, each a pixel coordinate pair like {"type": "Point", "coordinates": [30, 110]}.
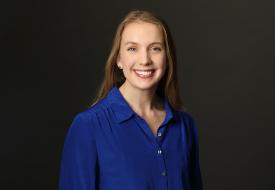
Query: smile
{"type": "Point", "coordinates": [144, 73]}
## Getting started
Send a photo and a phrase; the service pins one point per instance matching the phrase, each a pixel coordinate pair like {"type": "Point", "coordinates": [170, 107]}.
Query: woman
{"type": "Point", "coordinates": [135, 136]}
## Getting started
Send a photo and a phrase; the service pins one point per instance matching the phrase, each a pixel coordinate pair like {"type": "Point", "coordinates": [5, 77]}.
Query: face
{"type": "Point", "coordinates": [142, 55]}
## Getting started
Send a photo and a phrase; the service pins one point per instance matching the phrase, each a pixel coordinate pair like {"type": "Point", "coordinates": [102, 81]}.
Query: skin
{"type": "Point", "coordinates": [142, 48]}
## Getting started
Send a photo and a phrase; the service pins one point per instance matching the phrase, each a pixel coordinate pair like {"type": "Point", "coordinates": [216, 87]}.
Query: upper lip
{"type": "Point", "coordinates": [143, 69]}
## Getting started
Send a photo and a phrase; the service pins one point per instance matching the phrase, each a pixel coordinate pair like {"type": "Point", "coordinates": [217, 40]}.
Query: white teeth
{"type": "Point", "coordinates": [144, 73]}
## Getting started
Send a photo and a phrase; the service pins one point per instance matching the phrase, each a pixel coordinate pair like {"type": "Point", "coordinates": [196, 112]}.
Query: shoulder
{"type": "Point", "coordinates": [188, 122]}
{"type": "Point", "coordinates": [90, 114]}
{"type": "Point", "coordinates": [87, 119]}
{"type": "Point", "coordinates": [185, 117]}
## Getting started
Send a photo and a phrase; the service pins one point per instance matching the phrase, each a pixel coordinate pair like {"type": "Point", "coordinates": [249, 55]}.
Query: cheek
{"type": "Point", "coordinates": [161, 60]}
{"type": "Point", "coordinates": [127, 61]}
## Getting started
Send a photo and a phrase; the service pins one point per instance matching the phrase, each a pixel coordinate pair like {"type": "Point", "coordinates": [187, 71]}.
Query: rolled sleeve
{"type": "Point", "coordinates": [78, 170]}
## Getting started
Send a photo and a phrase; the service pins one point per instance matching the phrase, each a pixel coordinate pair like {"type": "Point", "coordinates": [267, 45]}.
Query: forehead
{"type": "Point", "coordinates": [141, 32]}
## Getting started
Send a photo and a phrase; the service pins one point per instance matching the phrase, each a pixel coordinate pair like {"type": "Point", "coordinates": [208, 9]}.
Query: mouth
{"type": "Point", "coordinates": [144, 73]}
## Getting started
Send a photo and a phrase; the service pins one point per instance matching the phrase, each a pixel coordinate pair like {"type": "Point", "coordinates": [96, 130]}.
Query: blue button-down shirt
{"type": "Point", "coordinates": [110, 147]}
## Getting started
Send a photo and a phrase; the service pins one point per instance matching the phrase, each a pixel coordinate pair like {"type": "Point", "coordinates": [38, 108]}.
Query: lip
{"type": "Point", "coordinates": [144, 76]}
{"type": "Point", "coordinates": [144, 69]}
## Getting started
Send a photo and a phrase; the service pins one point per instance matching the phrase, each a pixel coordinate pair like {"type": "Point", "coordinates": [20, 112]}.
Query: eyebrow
{"type": "Point", "coordinates": [130, 42]}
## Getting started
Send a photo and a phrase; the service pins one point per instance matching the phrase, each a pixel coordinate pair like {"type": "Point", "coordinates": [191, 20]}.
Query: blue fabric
{"type": "Point", "coordinates": [110, 147]}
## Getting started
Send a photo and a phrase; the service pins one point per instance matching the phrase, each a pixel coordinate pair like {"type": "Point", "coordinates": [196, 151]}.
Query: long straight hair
{"type": "Point", "coordinates": [168, 85]}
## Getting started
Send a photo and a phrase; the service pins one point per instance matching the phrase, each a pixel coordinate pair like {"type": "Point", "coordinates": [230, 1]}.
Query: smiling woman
{"type": "Point", "coordinates": [135, 136]}
{"type": "Point", "coordinates": [142, 56]}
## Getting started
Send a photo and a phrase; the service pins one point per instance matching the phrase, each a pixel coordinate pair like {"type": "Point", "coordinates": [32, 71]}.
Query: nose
{"type": "Point", "coordinates": [145, 58]}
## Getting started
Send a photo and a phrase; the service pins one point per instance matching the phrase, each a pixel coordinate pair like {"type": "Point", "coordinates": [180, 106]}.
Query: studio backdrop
{"type": "Point", "coordinates": [52, 62]}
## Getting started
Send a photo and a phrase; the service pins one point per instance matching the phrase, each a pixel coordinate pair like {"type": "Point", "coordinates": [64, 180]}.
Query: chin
{"type": "Point", "coordinates": [145, 85]}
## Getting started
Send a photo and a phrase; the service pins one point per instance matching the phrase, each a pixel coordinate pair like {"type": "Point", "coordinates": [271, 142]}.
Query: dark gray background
{"type": "Point", "coordinates": [52, 59]}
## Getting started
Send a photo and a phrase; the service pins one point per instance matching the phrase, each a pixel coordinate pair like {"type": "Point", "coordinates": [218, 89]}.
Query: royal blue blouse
{"type": "Point", "coordinates": [110, 147]}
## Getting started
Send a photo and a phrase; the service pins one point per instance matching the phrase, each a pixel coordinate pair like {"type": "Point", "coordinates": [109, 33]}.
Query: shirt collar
{"type": "Point", "coordinates": [123, 111]}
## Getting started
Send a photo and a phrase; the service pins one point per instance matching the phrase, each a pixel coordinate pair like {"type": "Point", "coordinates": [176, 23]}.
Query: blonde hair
{"type": "Point", "coordinates": [168, 85]}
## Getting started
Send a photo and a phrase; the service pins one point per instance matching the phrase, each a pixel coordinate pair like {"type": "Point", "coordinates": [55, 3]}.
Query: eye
{"type": "Point", "coordinates": [156, 49]}
{"type": "Point", "coordinates": [131, 49]}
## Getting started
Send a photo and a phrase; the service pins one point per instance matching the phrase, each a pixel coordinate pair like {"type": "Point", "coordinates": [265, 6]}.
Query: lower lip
{"type": "Point", "coordinates": [145, 76]}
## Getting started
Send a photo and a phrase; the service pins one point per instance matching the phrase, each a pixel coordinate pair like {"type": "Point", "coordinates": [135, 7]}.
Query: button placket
{"type": "Point", "coordinates": [161, 160]}
{"type": "Point", "coordinates": [160, 156]}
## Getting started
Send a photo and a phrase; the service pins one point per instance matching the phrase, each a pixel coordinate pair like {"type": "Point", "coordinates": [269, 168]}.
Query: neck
{"type": "Point", "coordinates": [143, 102]}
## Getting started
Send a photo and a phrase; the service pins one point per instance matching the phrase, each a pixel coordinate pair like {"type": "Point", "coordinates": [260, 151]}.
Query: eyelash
{"type": "Point", "coordinates": [154, 48]}
{"type": "Point", "coordinates": [130, 49]}
{"type": "Point", "coordinates": [159, 49]}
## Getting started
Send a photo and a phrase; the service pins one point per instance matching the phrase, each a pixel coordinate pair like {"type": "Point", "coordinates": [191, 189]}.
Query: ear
{"type": "Point", "coordinates": [118, 61]}
{"type": "Point", "coordinates": [118, 58]}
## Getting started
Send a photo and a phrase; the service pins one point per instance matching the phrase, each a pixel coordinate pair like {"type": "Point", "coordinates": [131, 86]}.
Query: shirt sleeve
{"type": "Point", "coordinates": [78, 170]}
{"type": "Point", "coordinates": [195, 172]}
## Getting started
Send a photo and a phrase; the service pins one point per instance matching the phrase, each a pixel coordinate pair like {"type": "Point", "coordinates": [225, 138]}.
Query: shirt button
{"type": "Point", "coordinates": [159, 134]}
{"type": "Point", "coordinates": [163, 173]}
{"type": "Point", "coordinates": [159, 151]}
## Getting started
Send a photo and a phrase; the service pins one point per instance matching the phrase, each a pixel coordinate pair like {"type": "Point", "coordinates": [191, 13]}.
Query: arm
{"type": "Point", "coordinates": [78, 169]}
{"type": "Point", "coordinates": [195, 173]}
